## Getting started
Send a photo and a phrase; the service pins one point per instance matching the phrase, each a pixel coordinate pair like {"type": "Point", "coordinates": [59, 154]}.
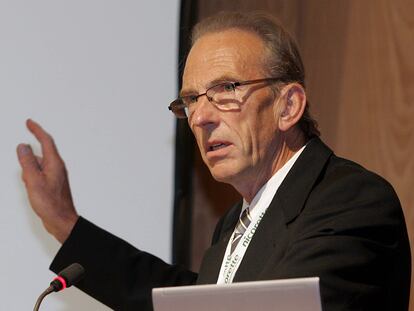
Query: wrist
{"type": "Point", "coordinates": [63, 228]}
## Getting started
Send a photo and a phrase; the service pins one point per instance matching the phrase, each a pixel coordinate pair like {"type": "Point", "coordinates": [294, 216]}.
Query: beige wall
{"type": "Point", "coordinates": [360, 80]}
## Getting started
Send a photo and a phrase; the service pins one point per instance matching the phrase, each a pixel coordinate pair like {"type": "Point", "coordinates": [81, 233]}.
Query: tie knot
{"type": "Point", "coordinates": [245, 218]}
{"type": "Point", "coordinates": [241, 227]}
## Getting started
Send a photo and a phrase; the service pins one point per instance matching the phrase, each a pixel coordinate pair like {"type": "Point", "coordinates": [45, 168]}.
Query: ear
{"type": "Point", "coordinates": [292, 105]}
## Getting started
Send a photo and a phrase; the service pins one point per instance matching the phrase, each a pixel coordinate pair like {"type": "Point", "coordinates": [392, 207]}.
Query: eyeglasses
{"type": "Point", "coordinates": [225, 96]}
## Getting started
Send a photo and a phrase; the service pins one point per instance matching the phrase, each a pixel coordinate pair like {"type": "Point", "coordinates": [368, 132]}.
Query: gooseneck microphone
{"type": "Point", "coordinates": [66, 278]}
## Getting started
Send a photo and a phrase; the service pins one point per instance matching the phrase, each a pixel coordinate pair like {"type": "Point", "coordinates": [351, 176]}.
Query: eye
{"type": "Point", "coordinates": [190, 99]}
{"type": "Point", "coordinates": [228, 87]}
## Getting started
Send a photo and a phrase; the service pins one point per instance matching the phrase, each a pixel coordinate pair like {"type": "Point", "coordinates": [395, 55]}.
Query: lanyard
{"type": "Point", "coordinates": [261, 202]}
{"type": "Point", "coordinates": [232, 262]}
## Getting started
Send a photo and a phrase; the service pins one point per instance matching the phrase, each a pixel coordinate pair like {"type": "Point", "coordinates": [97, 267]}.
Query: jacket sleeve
{"type": "Point", "coordinates": [116, 273]}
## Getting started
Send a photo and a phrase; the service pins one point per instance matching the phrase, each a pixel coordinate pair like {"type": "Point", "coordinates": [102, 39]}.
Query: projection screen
{"type": "Point", "coordinates": [98, 75]}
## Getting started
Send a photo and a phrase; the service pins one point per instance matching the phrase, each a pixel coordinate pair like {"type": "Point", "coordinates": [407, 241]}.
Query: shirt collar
{"type": "Point", "coordinates": [268, 190]}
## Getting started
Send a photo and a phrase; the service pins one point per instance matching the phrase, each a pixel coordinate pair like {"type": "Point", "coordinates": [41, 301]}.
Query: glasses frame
{"type": "Point", "coordinates": [179, 105]}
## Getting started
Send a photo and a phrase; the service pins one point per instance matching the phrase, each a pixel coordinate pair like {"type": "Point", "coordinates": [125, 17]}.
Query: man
{"type": "Point", "coordinates": [305, 211]}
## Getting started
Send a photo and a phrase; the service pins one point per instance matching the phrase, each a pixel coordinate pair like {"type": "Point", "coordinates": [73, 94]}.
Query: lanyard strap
{"type": "Point", "coordinates": [231, 261]}
{"type": "Point", "coordinates": [261, 202]}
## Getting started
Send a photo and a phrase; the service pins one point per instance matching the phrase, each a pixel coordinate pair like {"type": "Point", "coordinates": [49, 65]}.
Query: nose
{"type": "Point", "coordinates": [205, 114]}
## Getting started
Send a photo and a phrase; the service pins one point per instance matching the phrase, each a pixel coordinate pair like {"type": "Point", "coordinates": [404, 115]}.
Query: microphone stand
{"type": "Point", "coordinates": [49, 290]}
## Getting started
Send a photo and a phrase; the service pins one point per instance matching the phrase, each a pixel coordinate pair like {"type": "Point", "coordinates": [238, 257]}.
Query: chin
{"type": "Point", "coordinates": [224, 173]}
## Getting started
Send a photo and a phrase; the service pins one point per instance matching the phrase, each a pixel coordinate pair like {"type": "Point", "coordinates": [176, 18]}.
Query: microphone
{"type": "Point", "coordinates": [65, 278]}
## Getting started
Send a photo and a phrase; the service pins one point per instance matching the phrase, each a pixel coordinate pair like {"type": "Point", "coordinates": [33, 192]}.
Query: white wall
{"type": "Point", "coordinates": [98, 75]}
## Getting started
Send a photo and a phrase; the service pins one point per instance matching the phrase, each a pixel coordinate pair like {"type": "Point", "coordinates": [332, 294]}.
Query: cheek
{"type": "Point", "coordinates": [239, 131]}
{"type": "Point", "coordinates": [260, 124]}
{"type": "Point", "coordinates": [259, 132]}
{"type": "Point", "coordinates": [247, 137]}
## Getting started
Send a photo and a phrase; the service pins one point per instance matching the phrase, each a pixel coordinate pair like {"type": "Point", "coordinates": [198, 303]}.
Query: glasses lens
{"type": "Point", "coordinates": [224, 96]}
{"type": "Point", "coordinates": [222, 91]}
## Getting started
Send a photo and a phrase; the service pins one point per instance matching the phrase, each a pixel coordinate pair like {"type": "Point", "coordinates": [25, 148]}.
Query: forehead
{"type": "Point", "coordinates": [230, 54]}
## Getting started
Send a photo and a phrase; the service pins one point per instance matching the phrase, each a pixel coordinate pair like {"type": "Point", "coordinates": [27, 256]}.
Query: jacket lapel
{"type": "Point", "coordinates": [211, 264]}
{"type": "Point", "coordinates": [271, 238]}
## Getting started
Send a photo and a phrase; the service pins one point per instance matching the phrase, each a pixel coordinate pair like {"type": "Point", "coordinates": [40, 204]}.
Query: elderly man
{"type": "Point", "coordinates": [306, 212]}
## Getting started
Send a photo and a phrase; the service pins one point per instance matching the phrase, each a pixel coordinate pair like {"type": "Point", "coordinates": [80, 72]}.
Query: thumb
{"type": "Point", "coordinates": [27, 161]}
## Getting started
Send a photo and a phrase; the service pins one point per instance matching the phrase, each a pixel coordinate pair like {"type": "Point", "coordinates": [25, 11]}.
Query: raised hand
{"type": "Point", "coordinates": [47, 184]}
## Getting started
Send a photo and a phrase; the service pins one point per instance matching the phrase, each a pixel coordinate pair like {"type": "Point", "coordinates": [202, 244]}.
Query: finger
{"type": "Point", "coordinates": [49, 150]}
{"type": "Point", "coordinates": [40, 161]}
{"type": "Point", "coordinates": [27, 161]}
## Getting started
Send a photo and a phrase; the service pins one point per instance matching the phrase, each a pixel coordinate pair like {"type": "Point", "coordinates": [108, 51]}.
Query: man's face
{"type": "Point", "coordinates": [237, 145]}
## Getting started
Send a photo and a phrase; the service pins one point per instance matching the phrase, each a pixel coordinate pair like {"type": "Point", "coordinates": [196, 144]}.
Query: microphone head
{"type": "Point", "coordinates": [72, 274]}
{"type": "Point", "coordinates": [67, 277]}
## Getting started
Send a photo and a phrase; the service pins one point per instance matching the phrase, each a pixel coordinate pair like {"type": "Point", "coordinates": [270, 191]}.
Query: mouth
{"type": "Point", "coordinates": [217, 148]}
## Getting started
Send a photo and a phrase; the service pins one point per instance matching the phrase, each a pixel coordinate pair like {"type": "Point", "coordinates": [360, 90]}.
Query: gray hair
{"type": "Point", "coordinates": [282, 60]}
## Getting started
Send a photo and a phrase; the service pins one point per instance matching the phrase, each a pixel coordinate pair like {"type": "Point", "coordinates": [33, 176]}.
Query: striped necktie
{"type": "Point", "coordinates": [241, 227]}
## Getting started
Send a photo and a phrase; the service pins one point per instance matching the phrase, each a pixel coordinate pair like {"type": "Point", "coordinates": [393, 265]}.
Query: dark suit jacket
{"type": "Point", "coordinates": [330, 218]}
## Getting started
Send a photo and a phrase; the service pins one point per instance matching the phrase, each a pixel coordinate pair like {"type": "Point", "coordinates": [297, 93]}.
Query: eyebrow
{"type": "Point", "coordinates": [222, 79]}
